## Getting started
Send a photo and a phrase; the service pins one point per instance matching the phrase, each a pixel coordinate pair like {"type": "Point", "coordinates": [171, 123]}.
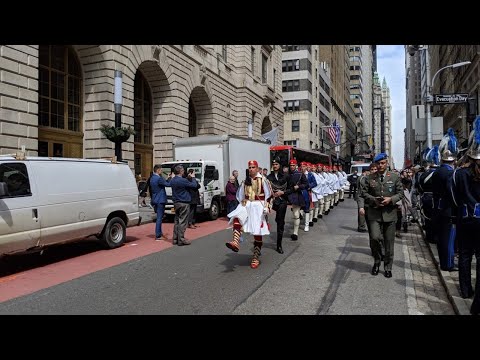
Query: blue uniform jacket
{"type": "Point", "coordinates": [442, 197]}
{"type": "Point", "coordinates": [466, 195]}
{"type": "Point", "coordinates": [295, 196]}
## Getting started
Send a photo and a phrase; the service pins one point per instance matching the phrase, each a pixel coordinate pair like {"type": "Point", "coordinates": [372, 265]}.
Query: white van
{"type": "Point", "coordinates": [46, 201]}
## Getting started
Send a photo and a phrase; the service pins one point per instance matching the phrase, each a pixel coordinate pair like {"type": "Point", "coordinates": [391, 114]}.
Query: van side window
{"type": "Point", "coordinates": [14, 179]}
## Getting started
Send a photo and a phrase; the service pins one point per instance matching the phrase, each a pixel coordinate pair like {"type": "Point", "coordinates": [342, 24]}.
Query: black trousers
{"type": "Point", "coordinates": [280, 220]}
{"type": "Point", "coordinates": [468, 245]}
{"type": "Point", "coordinates": [353, 190]}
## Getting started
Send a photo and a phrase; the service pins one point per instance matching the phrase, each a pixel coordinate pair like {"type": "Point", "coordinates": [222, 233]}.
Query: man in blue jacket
{"type": "Point", "coordinates": [181, 201]}
{"type": "Point", "coordinates": [158, 199]}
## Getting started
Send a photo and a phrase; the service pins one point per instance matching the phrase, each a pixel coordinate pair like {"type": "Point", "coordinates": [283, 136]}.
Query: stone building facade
{"type": "Point", "coordinates": [54, 99]}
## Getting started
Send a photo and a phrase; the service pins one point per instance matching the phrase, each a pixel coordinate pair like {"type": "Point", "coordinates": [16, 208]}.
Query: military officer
{"type": "Point", "coordinates": [382, 191]}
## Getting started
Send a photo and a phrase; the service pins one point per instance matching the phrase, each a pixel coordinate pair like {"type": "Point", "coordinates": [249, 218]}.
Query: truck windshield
{"type": "Point", "coordinates": [168, 168]}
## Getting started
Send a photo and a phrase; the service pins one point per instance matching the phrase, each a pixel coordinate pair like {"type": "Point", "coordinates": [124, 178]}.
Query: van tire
{"type": "Point", "coordinates": [115, 233]}
{"type": "Point", "coordinates": [214, 210]}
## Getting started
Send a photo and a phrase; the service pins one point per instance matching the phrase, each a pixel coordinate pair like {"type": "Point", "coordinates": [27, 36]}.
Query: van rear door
{"type": "Point", "coordinates": [19, 223]}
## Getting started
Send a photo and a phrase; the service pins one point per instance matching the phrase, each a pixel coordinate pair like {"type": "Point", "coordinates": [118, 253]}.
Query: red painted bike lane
{"type": "Point", "coordinates": [140, 242]}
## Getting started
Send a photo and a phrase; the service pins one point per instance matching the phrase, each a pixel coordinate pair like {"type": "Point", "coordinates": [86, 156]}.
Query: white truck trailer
{"type": "Point", "coordinates": [214, 157]}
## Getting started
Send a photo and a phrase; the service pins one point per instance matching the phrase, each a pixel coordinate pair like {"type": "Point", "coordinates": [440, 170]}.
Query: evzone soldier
{"type": "Point", "coordinates": [307, 194]}
{"type": "Point", "coordinates": [343, 179]}
{"type": "Point", "coordinates": [328, 195]}
{"type": "Point", "coordinates": [317, 192]}
{"type": "Point", "coordinates": [279, 183]}
{"type": "Point", "coordinates": [249, 216]}
{"type": "Point", "coordinates": [333, 184]}
{"type": "Point", "coordinates": [338, 188]}
{"type": "Point", "coordinates": [296, 183]}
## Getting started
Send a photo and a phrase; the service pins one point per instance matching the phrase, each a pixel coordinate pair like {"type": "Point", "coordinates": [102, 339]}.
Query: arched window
{"type": "Point", "coordinates": [142, 114]}
{"type": "Point", "coordinates": [59, 102]}
{"type": "Point", "coordinates": [192, 119]}
{"type": "Point", "coordinates": [142, 110]}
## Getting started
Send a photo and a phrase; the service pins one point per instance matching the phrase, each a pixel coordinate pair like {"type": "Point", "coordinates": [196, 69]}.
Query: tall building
{"type": "Point", "coordinates": [413, 98]}
{"type": "Point", "coordinates": [336, 56]}
{"type": "Point", "coordinates": [361, 76]}
{"type": "Point", "coordinates": [464, 79]}
{"type": "Point", "coordinates": [55, 98]}
{"type": "Point", "coordinates": [306, 96]}
{"type": "Point", "coordinates": [378, 114]}
{"type": "Point", "coordinates": [386, 140]}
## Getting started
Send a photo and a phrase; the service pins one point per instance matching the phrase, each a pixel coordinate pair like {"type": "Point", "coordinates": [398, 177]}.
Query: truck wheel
{"type": "Point", "coordinates": [114, 233]}
{"type": "Point", "coordinates": [214, 210]}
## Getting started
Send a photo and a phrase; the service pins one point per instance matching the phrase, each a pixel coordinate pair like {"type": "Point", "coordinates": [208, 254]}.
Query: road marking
{"type": "Point", "coordinates": [412, 305]}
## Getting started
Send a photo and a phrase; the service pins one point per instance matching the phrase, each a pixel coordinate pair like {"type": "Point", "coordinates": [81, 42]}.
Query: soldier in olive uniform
{"type": "Point", "coordinates": [382, 191]}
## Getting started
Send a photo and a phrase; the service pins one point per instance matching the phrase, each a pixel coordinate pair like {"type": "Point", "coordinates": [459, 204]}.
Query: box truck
{"type": "Point", "coordinates": [214, 158]}
{"type": "Point", "coordinates": [47, 201]}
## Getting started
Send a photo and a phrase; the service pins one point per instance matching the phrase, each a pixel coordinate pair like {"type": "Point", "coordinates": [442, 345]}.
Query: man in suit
{"type": "Point", "coordinates": [159, 199]}
{"type": "Point", "coordinates": [382, 191]}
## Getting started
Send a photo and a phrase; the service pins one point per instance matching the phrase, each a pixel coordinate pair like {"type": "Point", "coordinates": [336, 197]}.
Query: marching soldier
{"type": "Point", "coordinates": [296, 183]}
{"type": "Point", "coordinates": [317, 192]}
{"type": "Point", "coordinates": [279, 182]}
{"type": "Point", "coordinates": [382, 191]}
{"type": "Point", "coordinates": [249, 216]}
{"type": "Point", "coordinates": [466, 195]}
{"type": "Point", "coordinates": [443, 214]}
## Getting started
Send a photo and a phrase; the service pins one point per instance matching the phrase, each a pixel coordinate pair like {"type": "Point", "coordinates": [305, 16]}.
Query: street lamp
{"type": "Point", "coordinates": [412, 49]}
{"type": "Point", "coordinates": [118, 100]}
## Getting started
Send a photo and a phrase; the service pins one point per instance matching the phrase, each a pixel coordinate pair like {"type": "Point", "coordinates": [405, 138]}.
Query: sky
{"type": "Point", "coordinates": [391, 65]}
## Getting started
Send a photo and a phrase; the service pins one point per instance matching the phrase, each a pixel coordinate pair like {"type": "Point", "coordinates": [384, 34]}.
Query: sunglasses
{"type": "Point", "coordinates": [252, 167]}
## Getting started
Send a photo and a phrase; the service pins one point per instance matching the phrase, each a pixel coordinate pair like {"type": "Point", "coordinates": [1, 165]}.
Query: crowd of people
{"type": "Point", "coordinates": [442, 194]}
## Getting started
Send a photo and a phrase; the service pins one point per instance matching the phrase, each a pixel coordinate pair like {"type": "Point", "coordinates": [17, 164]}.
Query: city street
{"type": "Point", "coordinates": [326, 272]}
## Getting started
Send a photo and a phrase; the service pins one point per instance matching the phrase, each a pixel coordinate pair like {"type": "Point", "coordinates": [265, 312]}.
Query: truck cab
{"type": "Point", "coordinates": [212, 189]}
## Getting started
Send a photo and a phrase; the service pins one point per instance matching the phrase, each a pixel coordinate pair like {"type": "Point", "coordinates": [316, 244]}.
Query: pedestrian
{"type": "Point", "coordinates": [159, 199]}
{"type": "Point", "coordinates": [181, 202]}
{"type": "Point", "coordinates": [235, 175]}
{"type": "Point", "coordinates": [352, 179]}
{"type": "Point", "coordinates": [195, 195]}
{"type": "Point", "coordinates": [249, 216]}
{"type": "Point", "coordinates": [466, 195]}
{"type": "Point", "coordinates": [382, 191]}
{"type": "Point", "coordinates": [142, 191]}
{"type": "Point", "coordinates": [265, 172]}
{"type": "Point", "coordinates": [279, 183]}
{"type": "Point", "coordinates": [231, 195]}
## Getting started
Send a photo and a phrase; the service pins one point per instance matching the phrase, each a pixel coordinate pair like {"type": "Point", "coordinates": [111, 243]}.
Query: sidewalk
{"type": "Point", "coordinates": [450, 279]}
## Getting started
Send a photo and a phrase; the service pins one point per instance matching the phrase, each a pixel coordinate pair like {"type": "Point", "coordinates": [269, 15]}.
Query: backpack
{"type": "Point", "coordinates": [149, 186]}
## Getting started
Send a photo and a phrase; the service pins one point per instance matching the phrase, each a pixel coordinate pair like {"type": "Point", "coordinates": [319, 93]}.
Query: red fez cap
{"type": "Point", "coordinates": [253, 163]}
{"type": "Point", "coordinates": [303, 163]}
{"type": "Point", "coordinates": [293, 162]}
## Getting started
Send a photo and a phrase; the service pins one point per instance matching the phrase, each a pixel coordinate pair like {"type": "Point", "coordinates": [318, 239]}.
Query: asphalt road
{"type": "Point", "coordinates": [327, 271]}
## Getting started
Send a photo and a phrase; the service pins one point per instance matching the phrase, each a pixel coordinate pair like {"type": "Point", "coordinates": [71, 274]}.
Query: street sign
{"type": "Point", "coordinates": [442, 99]}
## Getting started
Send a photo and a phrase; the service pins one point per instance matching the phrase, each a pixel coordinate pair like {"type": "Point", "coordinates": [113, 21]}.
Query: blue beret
{"type": "Point", "coordinates": [380, 157]}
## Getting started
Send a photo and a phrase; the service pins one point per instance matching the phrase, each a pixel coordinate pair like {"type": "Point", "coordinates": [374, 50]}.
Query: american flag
{"type": "Point", "coordinates": [334, 132]}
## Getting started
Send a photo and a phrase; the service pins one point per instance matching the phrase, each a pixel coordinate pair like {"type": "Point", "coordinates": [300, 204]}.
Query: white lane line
{"type": "Point", "coordinates": [412, 305]}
